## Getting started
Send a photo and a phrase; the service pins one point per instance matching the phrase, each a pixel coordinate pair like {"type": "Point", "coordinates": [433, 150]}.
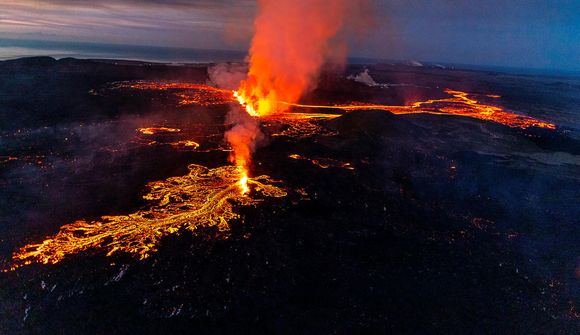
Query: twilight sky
{"type": "Point", "coordinates": [520, 33]}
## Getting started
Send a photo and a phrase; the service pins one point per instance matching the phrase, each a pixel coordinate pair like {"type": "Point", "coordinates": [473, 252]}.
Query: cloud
{"type": "Point", "coordinates": [199, 4]}
{"type": "Point", "coordinates": [194, 23]}
{"type": "Point", "coordinates": [539, 33]}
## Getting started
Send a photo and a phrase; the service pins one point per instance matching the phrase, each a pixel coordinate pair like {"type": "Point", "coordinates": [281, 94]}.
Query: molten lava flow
{"type": "Point", "coordinates": [460, 104]}
{"type": "Point", "coordinates": [205, 197]}
{"type": "Point", "coordinates": [187, 93]}
{"type": "Point", "coordinates": [185, 144]}
{"type": "Point", "coordinates": [465, 104]}
{"type": "Point", "coordinates": [202, 198]}
{"type": "Point", "coordinates": [246, 132]}
{"type": "Point", "coordinates": [156, 130]}
{"type": "Point", "coordinates": [299, 125]}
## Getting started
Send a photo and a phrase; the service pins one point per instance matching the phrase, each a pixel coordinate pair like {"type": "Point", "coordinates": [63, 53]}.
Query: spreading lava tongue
{"type": "Point", "coordinates": [292, 41]}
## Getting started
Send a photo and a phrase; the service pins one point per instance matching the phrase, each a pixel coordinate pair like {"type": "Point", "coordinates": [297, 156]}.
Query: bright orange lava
{"type": "Point", "coordinates": [156, 130]}
{"type": "Point", "coordinates": [243, 183]}
{"type": "Point", "coordinates": [203, 198]}
{"type": "Point", "coordinates": [188, 93]}
{"type": "Point", "coordinates": [245, 104]}
{"type": "Point", "coordinates": [459, 104]}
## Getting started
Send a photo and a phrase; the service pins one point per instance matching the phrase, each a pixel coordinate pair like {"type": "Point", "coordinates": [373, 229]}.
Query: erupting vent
{"type": "Point", "coordinates": [206, 197]}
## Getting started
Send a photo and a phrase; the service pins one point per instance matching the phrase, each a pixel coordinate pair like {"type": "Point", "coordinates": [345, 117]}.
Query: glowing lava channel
{"type": "Point", "coordinates": [459, 104]}
{"type": "Point", "coordinates": [203, 198]}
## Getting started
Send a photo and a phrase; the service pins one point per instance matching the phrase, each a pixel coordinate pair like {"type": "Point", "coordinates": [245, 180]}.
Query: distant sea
{"type": "Point", "coordinates": [12, 49]}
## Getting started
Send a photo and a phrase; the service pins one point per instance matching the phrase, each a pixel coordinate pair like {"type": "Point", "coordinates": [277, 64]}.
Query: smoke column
{"type": "Point", "coordinates": [293, 40]}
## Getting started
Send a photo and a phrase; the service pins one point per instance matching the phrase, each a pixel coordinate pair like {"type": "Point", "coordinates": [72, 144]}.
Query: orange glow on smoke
{"type": "Point", "coordinates": [293, 40]}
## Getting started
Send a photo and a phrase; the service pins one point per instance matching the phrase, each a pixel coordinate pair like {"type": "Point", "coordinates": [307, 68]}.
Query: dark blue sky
{"type": "Point", "coordinates": [529, 34]}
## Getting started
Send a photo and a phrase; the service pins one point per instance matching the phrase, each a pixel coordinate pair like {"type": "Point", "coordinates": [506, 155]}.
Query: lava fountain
{"type": "Point", "coordinates": [293, 40]}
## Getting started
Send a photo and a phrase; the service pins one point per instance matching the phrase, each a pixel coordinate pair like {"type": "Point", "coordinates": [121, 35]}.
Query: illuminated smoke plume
{"type": "Point", "coordinates": [244, 136]}
{"type": "Point", "coordinates": [292, 41]}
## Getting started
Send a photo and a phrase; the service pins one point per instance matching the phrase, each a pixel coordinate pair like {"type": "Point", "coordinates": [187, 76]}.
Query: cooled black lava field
{"type": "Point", "coordinates": [391, 223]}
